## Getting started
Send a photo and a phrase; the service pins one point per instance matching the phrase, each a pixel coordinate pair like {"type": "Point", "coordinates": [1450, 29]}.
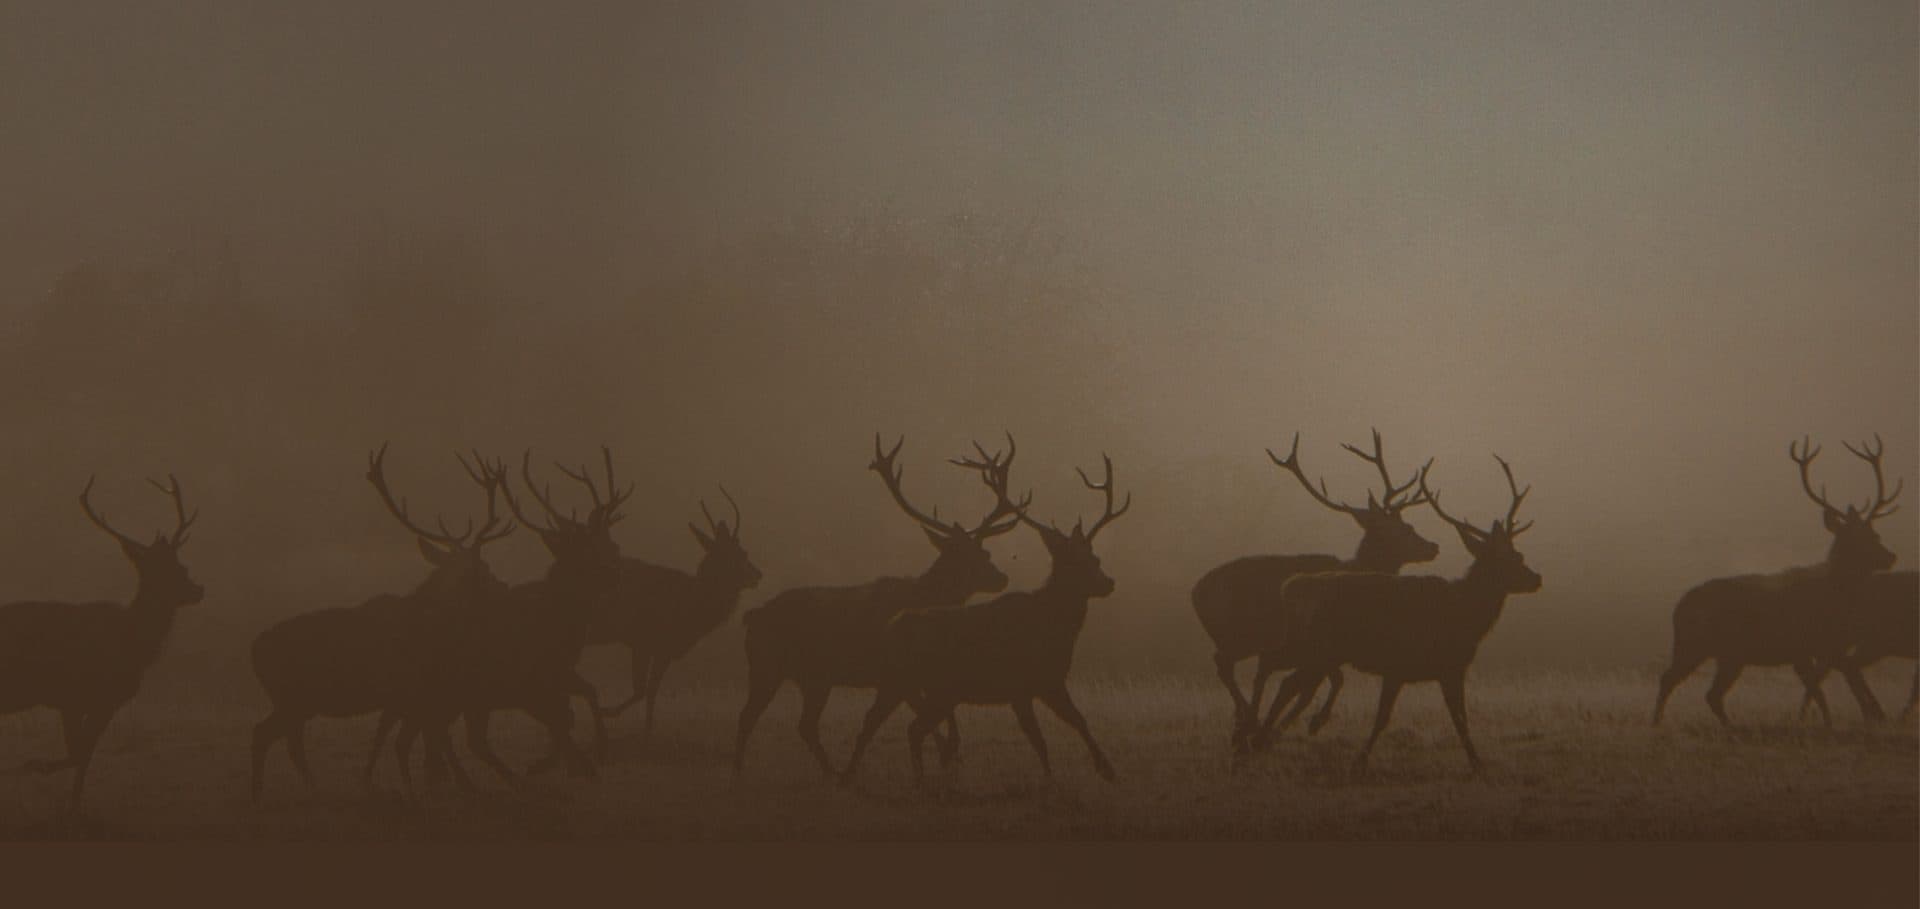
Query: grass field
{"type": "Point", "coordinates": [1571, 757]}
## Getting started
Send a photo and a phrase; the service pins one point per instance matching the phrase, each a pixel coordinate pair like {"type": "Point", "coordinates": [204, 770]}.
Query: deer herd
{"type": "Point", "coordinates": [463, 644]}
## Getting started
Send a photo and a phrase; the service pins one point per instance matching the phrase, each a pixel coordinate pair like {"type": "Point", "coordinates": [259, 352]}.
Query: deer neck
{"type": "Point", "coordinates": [150, 619]}
{"type": "Point", "coordinates": [717, 596]}
{"type": "Point", "coordinates": [934, 591]}
{"type": "Point", "coordinates": [1479, 598]}
{"type": "Point", "coordinates": [1372, 556]}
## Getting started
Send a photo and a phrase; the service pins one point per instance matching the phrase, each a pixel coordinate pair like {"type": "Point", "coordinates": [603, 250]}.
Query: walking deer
{"type": "Point", "coordinates": [1410, 629]}
{"type": "Point", "coordinates": [660, 613]}
{"type": "Point", "coordinates": [1795, 617]}
{"type": "Point", "coordinates": [1238, 602]}
{"type": "Point", "coordinates": [349, 661]}
{"type": "Point", "coordinates": [86, 660]}
{"type": "Point", "coordinates": [822, 638]}
{"type": "Point", "coordinates": [519, 651]}
{"type": "Point", "coordinates": [1012, 650]}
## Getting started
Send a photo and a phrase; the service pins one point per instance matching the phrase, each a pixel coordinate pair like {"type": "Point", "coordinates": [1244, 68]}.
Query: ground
{"type": "Point", "coordinates": [1571, 756]}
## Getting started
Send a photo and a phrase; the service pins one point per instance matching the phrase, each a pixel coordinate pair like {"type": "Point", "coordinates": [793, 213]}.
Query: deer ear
{"type": "Point", "coordinates": [1832, 521]}
{"type": "Point", "coordinates": [133, 551]}
{"type": "Point", "coordinates": [434, 554]}
{"type": "Point", "coordinates": [1474, 546]}
{"type": "Point", "coordinates": [938, 540]}
{"type": "Point", "coordinates": [706, 542]}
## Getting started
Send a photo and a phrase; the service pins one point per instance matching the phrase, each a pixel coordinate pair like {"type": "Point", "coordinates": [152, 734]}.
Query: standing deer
{"type": "Point", "coordinates": [823, 638]}
{"type": "Point", "coordinates": [1012, 650]}
{"type": "Point", "coordinates": [1410, 629]}
{"type": "Point", "coordinates": [86, 660]}
{"type": "Point", "coordinates": [660, 613]}
{"type": "Point", "coordinates": [1238, 602]}
{"type": "Point", "coordinates": [519, 651]}
{"type": "Point", "coordinates": [1795, 617]}
{"type": "Point", "coordinates": [349, 661]}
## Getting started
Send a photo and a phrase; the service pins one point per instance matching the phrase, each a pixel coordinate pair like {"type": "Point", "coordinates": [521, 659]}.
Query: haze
{"type": "Point", "coordinates": [1632, 247]}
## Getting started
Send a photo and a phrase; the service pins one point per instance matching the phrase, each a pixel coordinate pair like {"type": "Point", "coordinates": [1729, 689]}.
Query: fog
{"type": "Point", "coordinates": [1632, 247]}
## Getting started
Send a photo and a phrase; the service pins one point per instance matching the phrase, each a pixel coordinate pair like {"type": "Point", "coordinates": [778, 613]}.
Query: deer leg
{"type": "Point", "coordinates": [91, 727]}
{"type": "Point", "coordinates": [403, 751]}
{"type": "Point", "coordinates": [1389, 692]}
{"type": "Point", "coordinates": [813, 701]}
{"type": "Point", "coordinates": [1297, 689]}
{"type": "Point", "coordinates": [1913, 696]}
{"type": "Point", "coordinates": [1677, 672]}
{"type": "Point", "coordinates": [950, 746]}
{"type": "Point", "coordinates": [1243, 712]}
{"type": "Point", "coordinates": [1261, 734]}
{"type": "Point", "coordinates": [578, 685]}
{"type": "Point", "coordinates": [1810, 678]}
{"type": "Point", "coordinates": [1030, 724]}
{"type": "Point", "coordinates": [760, 692]}
{"type": "Point", "coordinates": [478, 743]}
{"type": "Point", "coordinates": [885, 702]}
{"type": "Point", "coordinates": [653, 691]}
{"type": "Point", "coordinates": [558, 718]}
{"type": "Point", "coordinates": [1870, 709]}
{"type": "Point", "coordinates": [1334, 682]}
{"type": "Point", "coordinates": [297, 750]}
{"type": "Point", "coordinates": [925, 718]}
{"type": "Point", "coordinates": [265, 733]}
{"type": "Point", "coordinates": [388, 719]}
{"type": "Point", "coordinates": [1454, 690]}
{"type": "Point", "coordinates": [1061, 703]}
{"type": "Point", "coordinates": [1725, 673]}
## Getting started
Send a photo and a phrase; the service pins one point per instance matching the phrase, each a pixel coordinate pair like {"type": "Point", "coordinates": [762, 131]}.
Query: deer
{"type": "Point", "coordinates": [660, 613]}
{"type": "Point", "coordinates": [1408, 629]}
{"type": "Point", "coordinates": [822, 638]}
{"type": "Point", "coordinates": [1795, 617]}
{"type": "Point", "coordinates": [520, 651]}
{"type": "Point", "coordinates": [87, 660]}
{"type": "Point", "coordinates": [354, 660]}
{"type": "Point", "coordinates": [1237, 603]}
{"type": "Point", "coordinates": [1012, 650]}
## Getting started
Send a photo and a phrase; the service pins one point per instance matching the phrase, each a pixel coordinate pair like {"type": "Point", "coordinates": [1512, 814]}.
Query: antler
{"type": "Point", "coordinates": [1519, 495]}
{"type": "Point", "coordinates": [1882, 500]}
{"type": "Point", "coordinates": [994, 471]}
{"type": "Point", "coordinates": [182, 520]}
{"type": "Point", "coordinates": [100, 520]}
{"type": "Point", "coordinates": [492, 478]}
{"type": "Point", "coordinates": [890, 475]}
{"type": "Point", "coordinates": [1291, 464]}
{"type": "Point", "coordinates": [1803, 456]}
{"type": "Point", "coordinates": [376, 474]}
{"type": "Point", "coordinates": [1108, 514]}
{"type": "Point", "coordinates": [714, 526]}
{"type": "Point", "coordinates": [1379, 461]}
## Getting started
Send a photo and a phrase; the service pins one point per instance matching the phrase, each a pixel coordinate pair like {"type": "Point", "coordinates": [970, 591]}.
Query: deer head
{"type": "Point", "coordinates": [1856, 545]}
{"type": "Point", "coordinates": [1494, 558]}
{"type": "Point", "coordinates": [1387, 541]}
{"type": "Point", "coordinates": [963, 562]}
{"type": "Point", "coordinates": [1075, 565]}
{"type": "Point", "coordinates": [574, 542]}
{"type": "Point", "coordinates": [456, 558]}
{"type": "Point", "coordinates": [724, 559]}
{"type": "Point", "coordinates": [164, 582]}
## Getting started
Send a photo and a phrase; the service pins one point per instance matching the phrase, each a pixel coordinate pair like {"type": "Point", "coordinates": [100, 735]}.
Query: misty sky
{"type": "Point", "coordinates": [1633, 246]}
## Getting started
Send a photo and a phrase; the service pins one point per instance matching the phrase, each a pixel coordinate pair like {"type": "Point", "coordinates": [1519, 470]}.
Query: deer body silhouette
{"type": "Point", "coordinates": [823, 638]}
{"type": "Point", "coordinates": [660, 613]}
{"type": "Point", "coordinates": [1410, 629]}
{"type": "Point", "coordinates": [1012, 650]}
{"type": "Point", "coordinates": [87, 660]}
{"type": "Point", "coordinates": [1796, 617]}
{"type": "Point", "coordinates": [1239, 603]}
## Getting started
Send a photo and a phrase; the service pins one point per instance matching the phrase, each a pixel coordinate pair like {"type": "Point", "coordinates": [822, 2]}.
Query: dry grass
{"type": "Point", "coordinates": [1572, 757]}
